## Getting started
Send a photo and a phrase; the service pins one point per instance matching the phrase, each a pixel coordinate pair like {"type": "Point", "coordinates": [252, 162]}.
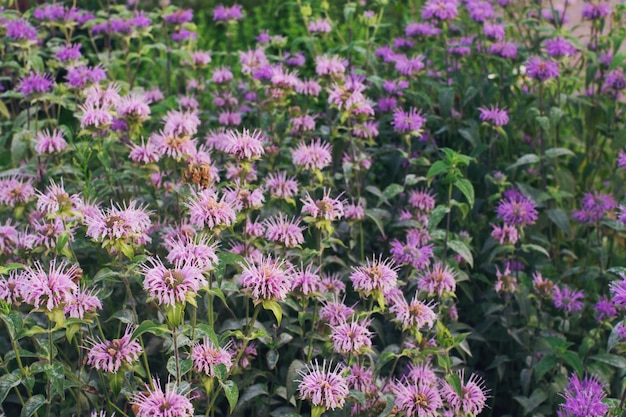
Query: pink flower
{"type": "Point", "coordinates": [280, 229]}
{"type": "Point", "coordinates": [245, 145]}
{"type": "Point", "coordinates": [415, 315]}
{"type": "Point", "coordinates": [110, 356]}
{"type": "Point", "coordinates": [49, 289]}
{"type": "Point", "coordinates": [128, 222]}
{"type": "Point", "coordinates": [474, 398]}
{"type": "Point", "coordinates": [335, 312]}
{"type": "Point", "coordinates": [327, 208]}
{"type": "Point", "coordinates": [56, 200]}
{"type": "Point", "coordinates": [351, 338]}
{"type": "Point", "coordinates": [169, 286]}
{"type": "Point", "coordinates": [330, 65]}
{"type": "Point", "coordinates": [317, 155]}
{"type": "Point", "coordinates": [439, 280]}
{"type": "Point", "coordinates": [417, 400]}
{"type": "Point", "coordinates": [206, 356]}
{"type": "Point", "coordinates": [49, 142]}
{"type": "Point", "coordinates": [306, 281]}
{"type": "Point", "coordinates": [323, 387]}
{"type": "Point", "coordinates": [197, 250]}
{"type": "Point", "coordinates": [133, 107]}
{"type": "Point", "coordinates": [15, 191]}
{"type": "Point", "coordinates": [268, 279]}
{"type": "Point", "coordinates": [376, 276]}
{"type": "Point", "coordinates": [280, 186]}
{"type": "Point", "coordinates": [82, 303]}
{"type": "Point", "coordinates": [205, 210]}
{"type": "Point", "coordinates": [157, 403]}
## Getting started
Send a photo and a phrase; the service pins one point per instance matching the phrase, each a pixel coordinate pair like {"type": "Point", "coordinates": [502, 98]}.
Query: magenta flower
{"type": "Point", "coordinates": [421, 29]}
{"type": "Point", "coordinates": [351, 338]}
{"type": "Point", "coordinates": [542, 69]}
{"type": "Point", "coordinates": [323, 387]}
{"type": "Point", "coordinates": [516, 209]}
{"type": "Point", "coordinates": [503, 49]}
{"type": "Point", "coordinates": [567, 299]}
{"type": "Point", "coordinates": [317, 155]}
{"type": "Point", "coordinates": [618, 290]}
{"type": "Point", "coordinates": [494, 115]}
{"type": "Point", "coordinates": [178, 17]}
{"type": "Point", "coordinates": [494, 31]}
{"type": "Point", "coordinates": [35, 83]}
{"type": "Point", "coordinates": [169, 286]}
{"type": "Point", "coordinates": [473, 399]}
{"type": "Point", "coordinates": [408, 122]}
{"type": "Point", "coordinates": [133, 107]}
{"type": "Point", "coordinates": [173, 402]}
{"type": "Point", "coordinates": [50, 289]}
{"type": "Point", "coordinates": [110, 356]}
{"type": "Point", "coordinates": [280, 229]}
{"type": "Point", "coordinates": [206, 356]}
{"type": "Point", "coordinates": [605, 309]}
{"type": "Point", "coordinates": [82, 303]}
{"type": "Point", "coordinates": [423, 200]}
{"type": "Point", "coordinates": [440, 9]}
{"type": "Point", "coordinates": [417, 400]}
{"type": "Point", "coordinates": [376, 276]}
{"type": "Point", "coordinates": [505, 235]}
{"type": "Point", "coordinates": [583, 398]}
{"type": "Point", "coordinates": [593, 207]}
{"type": "Point", "coordinates": [268, 279]}
{"type": "Point", "coordinates": [81, 76]}
{"type": "Point", "coordinates": [206, 210]}
{"type": "Point", "coordinates": [20, 30]}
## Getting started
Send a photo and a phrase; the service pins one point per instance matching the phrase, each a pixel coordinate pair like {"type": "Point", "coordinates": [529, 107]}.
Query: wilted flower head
{"type": "Point", "coordinates": [323, 387]}
{"type": "Point", "coordinates": [109, 356]}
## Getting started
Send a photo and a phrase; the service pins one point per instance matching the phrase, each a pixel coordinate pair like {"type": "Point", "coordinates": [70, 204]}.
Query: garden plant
{"type": "Point", "coordinates": [311, 207]}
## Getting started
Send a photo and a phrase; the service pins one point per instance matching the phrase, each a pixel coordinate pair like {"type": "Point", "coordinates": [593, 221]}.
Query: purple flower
{"type": "Point", "coordinates": [618, 289]}
{"type": "Point", "coordinates": [323, 387]}
{"type": "Point", "coordinates": [206, 210]}
{"type": "Point", "coordinates": [567, 299]}
{"type": "Point", "coordinates": [504, 49]}
{"type": "Point", "coordinates": [280, 186]}
{"type": "Point", "coordinates": [81, 76]}
{"type": "Point", "coordinates": [414, 251]}
{"type": "Point", "coordinates": [20, 30]}
{"type": "Point", "coordinates": [583, 398]}
{"type": "Point", "coordinates": [593, 207]}
{"type": "Point", "coordinates": [69, 53]}
{"type": "Point", "coordinates": [280, 229]}
{"type": "Point", "coordinates": [421, 29]}
{"type": "Point", "coordinates": [596, 10]}
{"type": "Point", "coordinates": [49, 12]}
{"type": "Point", "coordinates": [494, 115]}
{"type": "Point", "coordinates": [405, 122]}
{"type": "Point", "coordinates": [223, 13]}
{"type": "Point", "coordinates": [15, 190]}
{"type": "Point", "coordinates": [440, 9]}
{"type": "Point", "coordinates": [180, 16]}
{"type": "Point", "coordinates": [440, 280]}
{"type": "Point", "coordinates": [245, 145]}
{"type": "Point", "coordinates": [615, 79]}
{"type": "Point", "coordinates": [197, 250]}
{"type": "Point", "coordinates": [516, 209]}
{"type": "Point", "coordinates": [49, 142]}
{"type": "Point", "coordinates": [335, 312]}
{"type": "Point", "coordinates": [109, 356]}
{"type": "Point", "coordinates": [320, 25]}
{"type": "Point", "coordinates": [605, 309]}
{"type": "Point", "coordinates": [157, 403]}
{"type": "Point", "coordinates": [315, 156]}
{"type": "Point", "coordinates": [542, 69]}
{"type": "Point", "coordinates": [480, 11]}
{"type": "Point", "coordinates": [327, 208]}
{"type": "Point", "coordinates": [35, 83]}
{"type": "Point", "coordinates": [414, 315]}
{"type": "Point", "coordinates": [558, 47]}
{"type": "Point", "coordinates": [330, 65]}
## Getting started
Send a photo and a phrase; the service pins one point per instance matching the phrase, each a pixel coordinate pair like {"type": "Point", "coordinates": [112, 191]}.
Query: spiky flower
{"type": "Point", "coordinates": [110, 356]}
{"type": "Point", "coordinates": [323, 387]}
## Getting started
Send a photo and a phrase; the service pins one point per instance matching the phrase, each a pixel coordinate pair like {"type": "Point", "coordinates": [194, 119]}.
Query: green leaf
{"type": "Point", "coordinates": [545, 365]}
{"type": "Point", "coordinates": [446, 98]}
{"type": "Point", "coordinates": [293, 376]}
{"type": "Point", "coordinates": [437, 168]}
{"type": "Point", "coordinates": [530, 158]}
{"type": "Point", "coordinates": [33, 404]}
{"type": "Point", "coordinates": [14, 323]}
{"type": "Point", "coordinates": [254, 391]}
{"type": "Point", "coordinates": [149, 326]}
{"type": "Point", "coordinates": [391, 191]}
{"type": "Point", "coordinates": [271, 358]}
{"type": "Point", "coordinates": [7, 382]}
{"type": "Point", "coordinates": [209, 332]}
{"type": "Point", "coordinates": [455, 382]}
{"type": "Point", "coordinates": [390, 402]}
{"type": "Point", "coordinates": [359, 396]}
{"type": "Point", "coordinates": [56, 376]}
{"type": "Point", "coordinates": [232, 393]}
{"type": "Point", "coordinates": [184, 365]}
{"type": "Point", "coordinates": [544, 123]}
{"type": "Point", "coordinates": [532, 247]}
{"type": "Point", "coordinates": [377, 218]}
{"type": "Point", "coordinates": [616, 361]}
{"type": "Point", "coordinates": [124, 315]}
{"type": "Point", "coordinates": [556, 152]}
{"type": "Point", "coordinates": [465, 186]}
{"type": "Point", "coordinates": [275, 308]}
{"type": "Point", "coordinates": [573, 360]}
{"type": "Point", "coordinates": [462, 249]}
{"type": "Point", "coordinates": [436, 216]}
{"type": "Point", "coordinates": [560, 219]}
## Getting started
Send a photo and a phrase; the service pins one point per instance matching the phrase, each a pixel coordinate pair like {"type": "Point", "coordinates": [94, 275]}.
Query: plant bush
{"type": "Point", "coordinates": [312, 208]}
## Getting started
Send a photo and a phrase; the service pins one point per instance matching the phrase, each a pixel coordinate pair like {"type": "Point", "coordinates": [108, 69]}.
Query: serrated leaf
{"type": "Point", "coordinates": [466, 187]}
{"type": "Point", "coordinates": [232, 393]}
{"type": "Point", "coordinates": [33, 404]}
{"type": "Point", "coordinates": [462, 249]}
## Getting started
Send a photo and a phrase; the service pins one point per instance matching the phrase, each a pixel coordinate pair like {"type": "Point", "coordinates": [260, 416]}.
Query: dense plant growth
{"type": "Point", "coordinates": [303, 208]}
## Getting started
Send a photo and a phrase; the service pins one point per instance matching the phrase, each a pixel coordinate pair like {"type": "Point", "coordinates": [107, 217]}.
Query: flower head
{"type": "Point", "coordinates": [280, 229]}
{"type": "Point", "coordinates": [206, 210]}
{"type": "Point", "coordinates": [417, 400]}
{"type": "Point", "coordinates": [494, 115]}
{"type": "Point", "coordinates": [351, 337]}
{"type": "Point", "coordinates": [376, 276]}
{"type": "Point", "coordinates": [169, 286]}
{"type": "Point", "coordinates": [35, 83]}
{"type": "Point", "coordinates": [567, 299]}
{"type": "Point", "coordinates": [583, 398]}
{"type": "Point", "coordinates": [473, 396]}
{"type": "Point", "coordinates": [542, 69]}
{"type": "Point", "coordinates": [49, 142]}
{"type": "Point", "coordinates": [50, 289]}
{"type": "Point", "coordinates": [109, 356]}
{"type": "Point", "coordinates": [516, 209]}
{"type": "Point", "coordinates": [323, 387]}
{"type": "Point", "coordinates": [326, 208]}
{"type": "Point", "coordinates": [269, 279]}
{"type": "Point", "coordinates": [206, 356]}
{"type": "Point", "coordinates": [155, 402]}
{"type": "Point", "coordinates": [316, 155]}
